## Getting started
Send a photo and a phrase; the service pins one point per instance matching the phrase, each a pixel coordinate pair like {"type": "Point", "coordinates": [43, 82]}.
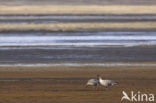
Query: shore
{"type": "Point", "coordinates": [67, 84]}
{"type": "Point", "coordinates": [76, 9]}
{"type": "Point", "coordinates": [77, 27]}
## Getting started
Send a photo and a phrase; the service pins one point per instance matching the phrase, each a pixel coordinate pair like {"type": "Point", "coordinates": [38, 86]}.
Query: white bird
{"type": "Point", "coordinates": [106, 83]}
{"type": "Point", "coordinates": [92, 82]}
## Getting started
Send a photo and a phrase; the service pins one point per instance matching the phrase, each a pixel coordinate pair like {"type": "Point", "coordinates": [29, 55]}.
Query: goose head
{"type": "Point", "coordinates": [99, 77]}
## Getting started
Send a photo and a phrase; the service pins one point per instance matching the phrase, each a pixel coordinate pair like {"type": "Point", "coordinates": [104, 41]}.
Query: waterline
{"type": "Point", "coordinates": [81, 65]}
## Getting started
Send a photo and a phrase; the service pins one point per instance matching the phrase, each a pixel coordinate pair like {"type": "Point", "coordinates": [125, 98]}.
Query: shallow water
{"type": "Point", "coordinates": [79, 39]}
{"type": "Point", "coordinates": [44, 55]}
{"type": "Point", "coordinates": [97, 47]}
{"type": "Point", "coordinates": [77, 16]}
{"type": "Point", "coordinates": [26, 19]}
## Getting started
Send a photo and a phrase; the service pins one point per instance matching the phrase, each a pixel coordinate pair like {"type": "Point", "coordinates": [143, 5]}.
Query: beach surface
{"type": "Point", "coordinates": [67, 84]}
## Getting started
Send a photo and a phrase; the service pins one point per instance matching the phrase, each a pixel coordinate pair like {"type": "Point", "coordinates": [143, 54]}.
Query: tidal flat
{"type": "Point", "coordinates": [67, 84]}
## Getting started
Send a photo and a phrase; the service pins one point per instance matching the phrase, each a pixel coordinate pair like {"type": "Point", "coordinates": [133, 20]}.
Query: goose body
{"type": "Point", "coordinates": [92, 82]}
{"type": "Point", "coordinates": [106, 83]}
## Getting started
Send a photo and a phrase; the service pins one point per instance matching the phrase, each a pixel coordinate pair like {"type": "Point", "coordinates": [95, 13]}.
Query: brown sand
{"type": "Point", "coordinates": [67, 84]}
{"type": "Point", "coordinates": [76, 10]}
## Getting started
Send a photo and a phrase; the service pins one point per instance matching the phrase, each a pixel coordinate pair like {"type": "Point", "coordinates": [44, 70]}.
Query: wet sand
{"type": "Point", "coordinates": [67, 84]}
{"type": "Point", "coordinates": [76, 23]}
{"type": "Point", "coordinates": [36, 19]}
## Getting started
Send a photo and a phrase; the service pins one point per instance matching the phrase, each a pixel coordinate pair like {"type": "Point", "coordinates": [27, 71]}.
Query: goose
{"type": "Point", "coordinates": [106, 83]}
{"type": "Point", "coordinates": [92, 82]}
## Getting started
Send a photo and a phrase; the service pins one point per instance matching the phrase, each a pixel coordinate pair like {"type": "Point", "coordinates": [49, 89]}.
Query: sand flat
{"type": "Point", "coordinates": [68, 86]}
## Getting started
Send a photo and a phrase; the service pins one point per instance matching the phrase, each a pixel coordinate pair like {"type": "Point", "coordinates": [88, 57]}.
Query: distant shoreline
{"type": "Point", "coordinates": [76, 9]}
